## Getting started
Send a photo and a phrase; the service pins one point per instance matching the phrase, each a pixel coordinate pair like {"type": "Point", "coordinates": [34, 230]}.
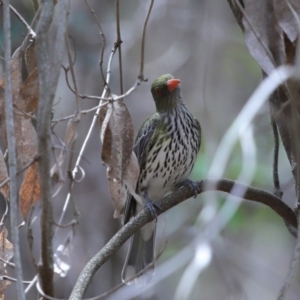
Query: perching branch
{"type": "Point", "coordinates": [183, 193]}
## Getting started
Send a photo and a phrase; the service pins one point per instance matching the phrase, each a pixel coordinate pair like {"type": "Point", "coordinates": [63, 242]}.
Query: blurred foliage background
{"type": "Point", "coordinates": [200, 43]}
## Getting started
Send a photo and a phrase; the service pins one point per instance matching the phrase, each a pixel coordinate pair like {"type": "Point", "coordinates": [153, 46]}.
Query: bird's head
{"type": "Point", "coordinates": [166, 92]}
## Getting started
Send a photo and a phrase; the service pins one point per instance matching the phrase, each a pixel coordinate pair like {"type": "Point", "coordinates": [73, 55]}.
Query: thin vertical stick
{"type": "Point", "coordinates": [12, 159]}
{"type": "Point", "coordinates": [141, 75]}
{"type": "Point", "coordinates": [118, 44]}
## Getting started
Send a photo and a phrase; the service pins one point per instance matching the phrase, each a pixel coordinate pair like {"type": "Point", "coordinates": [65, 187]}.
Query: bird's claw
{"type": "Point", "coordinates": [152, 206]}
{"type": "Point", "coordinates": [194, 186]}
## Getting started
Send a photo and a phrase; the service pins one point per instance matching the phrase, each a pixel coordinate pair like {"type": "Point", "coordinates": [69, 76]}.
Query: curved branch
{"type": "Point", "coordinates": [182, 193]}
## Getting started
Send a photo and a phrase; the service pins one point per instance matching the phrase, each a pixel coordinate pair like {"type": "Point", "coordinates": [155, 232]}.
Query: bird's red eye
{"type": "Point", "coordinates": [157, 92]}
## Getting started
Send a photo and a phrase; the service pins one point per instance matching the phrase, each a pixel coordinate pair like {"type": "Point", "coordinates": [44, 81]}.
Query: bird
{"type": "Point", "coordinates": [166, 147]}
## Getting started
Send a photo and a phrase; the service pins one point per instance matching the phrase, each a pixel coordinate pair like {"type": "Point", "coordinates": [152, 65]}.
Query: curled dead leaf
{"type": "Point", "coordinates": [30, 58]}
{"type": "Point", "coordinates": [263, 35]}
{"type": "Point", "coordinates": [28, 99]}
{"type": "Point", "coordinates": [128, 185]}
{"type": "Point", "coordinates": [287, 17]}
{"type": "Point", "coordinates": [117, 136]}
{"type": "Point", "coordinates": [30, 189]}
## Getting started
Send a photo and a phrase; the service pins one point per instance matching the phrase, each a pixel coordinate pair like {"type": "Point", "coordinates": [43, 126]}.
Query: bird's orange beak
{"type": "Point", "coordinates": [172, 84]}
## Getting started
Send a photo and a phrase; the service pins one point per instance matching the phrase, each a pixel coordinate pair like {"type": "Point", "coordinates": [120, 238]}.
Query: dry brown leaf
{"type": "Point", "coordinates": [286, 18]}
{"type": "Point", "coordinates": [30, 58]}
{"type": "Point", "coordinates": [118, 193]}
{"type": "Point", "coordinates": [16, 72]}
{"type": "Point", "coordinates": [6, 253]}
{"type": "Point", "coordinates": [27, 143]}
{"type": "Point", "coordinates": [25, 97]}
{"type": "Point", "coordinates": [117, 136]}
{"type": "Point", "coordinates": [3, 175]}
{"type": "Point", "coordinates": [263, 35]}
{"type": "Point", "coordinates": [30, 189]}
{"type": "Point", "coordinates": [28, 99]}
{"type": "Point", "coordinates": [70, 137]}
{"type": "Point", "coordinates": [129, 183]}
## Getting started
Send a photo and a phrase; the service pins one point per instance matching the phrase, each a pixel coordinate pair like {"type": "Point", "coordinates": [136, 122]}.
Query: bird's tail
{"type": "Point", "coordinates": [140, 255]}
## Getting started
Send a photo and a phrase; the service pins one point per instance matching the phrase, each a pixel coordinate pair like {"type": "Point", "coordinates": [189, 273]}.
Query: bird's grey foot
{"type": "Point", "coordinates": [192, 184]}
{"type": "Point", "coordinates": [152, 206]}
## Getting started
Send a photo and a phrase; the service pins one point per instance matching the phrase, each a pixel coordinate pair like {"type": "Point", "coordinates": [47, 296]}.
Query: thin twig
{"type": "Point", "coordinates": [5, 214]}
{"type": "Point", "coordinates": [181, 194]}
{"type": "Point", "coordinates": [31, 284]}
{"type": "Point", "coordinates": [23, 113]}
{"type": "Point", "coordinates": [118, 44]}
{"type": "Point", "coordinates": [8, 262]}
{"type": "Point", "coordinates": [114, 289]}
{"type": "Point", "coordinates": [71, 66]}
{"type": "Point", "coordinates": [83, 112]}
{"type": "Point", "coordinates": [20, 171]}
{"type": "Point", "coordinates": [293, 267]}
{"type": "Point", "coordinates": [137, 83]}
{"type": "Point", "coordinates": [44, 295]}
{"type": "Point", "coordinates": [35, 5]}
{"type": "Point", "coordinates": [72, 223]}
{"type": "Point", "coordinates": [12, 159]}
{"type": "Point", "coordinates": [78, 161]}
{"type": "Point", "coordinates": [30, 30]}
{"type": "Point", "coordinates": [103, 42]}
{"type": "Point", "coordinates": [141, 75]}
{"type": "Point", "coordinates": [5, 277]}
{"type": "Point", "coordinates": [276, 181]}
{"type": "Point", "coordinates": [237, 13]}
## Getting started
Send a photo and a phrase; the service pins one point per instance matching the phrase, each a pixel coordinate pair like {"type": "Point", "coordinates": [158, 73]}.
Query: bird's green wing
{"type": "Point", "coordinates": [145, 138]}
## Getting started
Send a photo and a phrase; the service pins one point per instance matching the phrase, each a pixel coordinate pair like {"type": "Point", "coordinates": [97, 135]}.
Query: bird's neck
{"type": "Point", "coordinates": [170, 103]}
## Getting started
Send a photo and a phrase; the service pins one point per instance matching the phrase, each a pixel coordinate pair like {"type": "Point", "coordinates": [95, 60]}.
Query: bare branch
{"type": "Point", "coordinates": [31, 32]}
{"type": "Point", "coordinates": [12, 159]}
{"type": "Point", "coordinates": [35, 5]}
{"type": "Point", "coordinates": [238, 14]}
{"type": "Point", "coordinates": [71, 66]}
{"type": "Point", "coordinates": [20, 171]}
{"type": "Point", "coordinates": [77, 164]}
{"type": "Point", "coordinates": [118, 44]}
{"type": "Point", "coordinates": [83, 112]}
{"type": "Point", "coordinates": [136, 84]}
{"type": "Point", "coordinates": [181, 194]}
{"type": "Point", "coordinates": [278, 191]}
{"type": "Point", "coordinates": [103, 41]}
{"type": "Point", "coordinates": [48, 69]}
{"type": "Point", "coordinates": [141, 75]}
